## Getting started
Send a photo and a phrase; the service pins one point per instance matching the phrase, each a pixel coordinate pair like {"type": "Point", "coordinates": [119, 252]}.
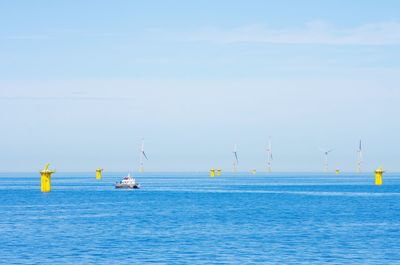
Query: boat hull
{"type": "Point", "coordinates": [124, 186]}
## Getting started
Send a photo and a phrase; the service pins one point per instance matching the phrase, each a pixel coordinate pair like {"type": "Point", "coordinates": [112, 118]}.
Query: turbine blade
{"type": "Point", "coordinates": [144, 154]}
{"type": "Point", "coordinates": [236, 157]}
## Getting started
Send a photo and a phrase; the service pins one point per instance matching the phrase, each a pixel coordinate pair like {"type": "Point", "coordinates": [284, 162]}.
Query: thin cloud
{"type": "Point", "coordinates": [60, 34]}
{"type": "Point", "coordinates": [65, 98]}
{"type": "Point", "coordinates": [384, 33]}
{"type": "Point", "coordinates": [22, 38]}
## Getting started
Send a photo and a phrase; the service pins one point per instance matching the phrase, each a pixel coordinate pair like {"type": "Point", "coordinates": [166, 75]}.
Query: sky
{"type": "Point", "coordinates": [82, 82]}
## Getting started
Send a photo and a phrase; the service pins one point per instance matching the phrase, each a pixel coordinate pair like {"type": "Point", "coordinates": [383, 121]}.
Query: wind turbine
{"type": "Point", "coordinates": [235, 158]}
{"type": "Point", "coordinates": [326, 153]}
{"type": "Point", "coordinates": [359, 157]}
{"type": "Point", "coordinates": [142, 155]}
{"type": "Point", "coordinates": [269, 156]}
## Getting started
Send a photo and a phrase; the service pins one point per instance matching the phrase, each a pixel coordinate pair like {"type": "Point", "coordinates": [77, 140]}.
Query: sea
{"type": "Point", "coordinates": [191, 218]}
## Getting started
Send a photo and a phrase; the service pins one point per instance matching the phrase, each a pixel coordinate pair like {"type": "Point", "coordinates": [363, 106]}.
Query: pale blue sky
{"type": "Point", "coordinates": [81, 82]}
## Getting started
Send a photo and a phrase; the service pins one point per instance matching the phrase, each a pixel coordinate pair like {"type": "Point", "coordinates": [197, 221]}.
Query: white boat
{"type": "Point", "coordinates": [127, 182]}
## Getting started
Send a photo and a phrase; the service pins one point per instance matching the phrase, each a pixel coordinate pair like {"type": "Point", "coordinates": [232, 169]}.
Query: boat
{"type": "Point", "coordinates": [127, 182]}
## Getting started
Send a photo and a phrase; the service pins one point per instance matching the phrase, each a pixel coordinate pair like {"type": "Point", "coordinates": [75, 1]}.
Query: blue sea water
{"type": "Point", "coordinates": [190, 218]}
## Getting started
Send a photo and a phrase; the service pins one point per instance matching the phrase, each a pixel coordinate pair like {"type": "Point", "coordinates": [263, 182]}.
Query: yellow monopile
{"type": "Point", "coordinates": [337, 171]}
{"type": "Point", "coordinates": [46, 178]}
{"type": "Point", "coordinates": [253, 171]}
{"type": "Point", "coordinates": [218, 172]}
{"type": "Point", "coordinates": [98, 173]}
{"type": "Point", "coordinates": [212, 172]}
{"type": "Point", "coordinates": [378, 176]}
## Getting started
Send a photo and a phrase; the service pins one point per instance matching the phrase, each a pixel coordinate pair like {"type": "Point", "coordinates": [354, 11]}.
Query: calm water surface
{"type": "Point", "coordinates": [193, 219]}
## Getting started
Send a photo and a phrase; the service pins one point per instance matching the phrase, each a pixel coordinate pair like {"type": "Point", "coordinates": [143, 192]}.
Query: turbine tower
{"type": "Point", "coordinates": [235, 158]}
{"type": "Point", "coordinates": [269, 156]}
{"type": "Point", "coordinates": [359, 157]}
{"type": "Point", "coordinates": [326, 153]}
{"type": "Point", "coordinates": [142, 155]}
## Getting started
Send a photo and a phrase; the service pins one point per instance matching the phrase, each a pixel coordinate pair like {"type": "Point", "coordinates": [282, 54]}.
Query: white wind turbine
{"type": "Point", "coordinates": [235, 158]}
{"type": "Point", "coordinates": [326, 153]}
{"type": "Point", "coordinates": [269, 156]}
{"type": "Point", "coordinates": [142, 155]}
{"type": "Point", "coordinates": [359, 157]}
